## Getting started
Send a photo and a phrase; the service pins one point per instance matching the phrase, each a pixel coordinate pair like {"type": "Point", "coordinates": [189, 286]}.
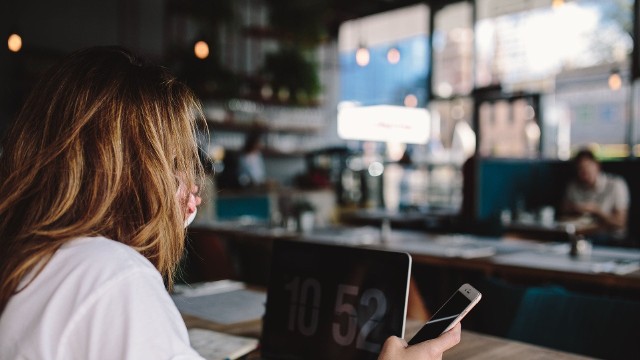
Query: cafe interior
{"type": "Point", "coordinates": [445, 129]}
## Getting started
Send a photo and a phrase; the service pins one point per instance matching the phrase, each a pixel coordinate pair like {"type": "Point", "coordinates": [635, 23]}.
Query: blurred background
{"type": "Point", "coordinates": [342, 120]}
{"type": "Point", "coordinates": [378, 103]}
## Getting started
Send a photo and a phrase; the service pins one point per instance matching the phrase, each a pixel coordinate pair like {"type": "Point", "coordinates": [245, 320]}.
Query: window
{"type": "Point", "coordinates": [575, 54]}
{"type": "Point", "coordinates": [509, 127]}
{"type": "Point", "coordinates": [453, 51]}
{"type": "Point", "coordinates": [452, 81]}
{"type": "Point", "coordinates": [384, 58]}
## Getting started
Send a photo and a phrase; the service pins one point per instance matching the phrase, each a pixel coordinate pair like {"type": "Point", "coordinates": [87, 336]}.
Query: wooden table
{"type": "Point", "coordinates": [555, 231]}
{"type": "Point", "coordinates": [478, 346]}
{"type": "Point", "coordinates": [473, 345]}
{"type": "Point", "coordinates": [536, 262]}
{"type": "Point", "coordinates": [517, 261]}
{"type": "Point", "coordinates": [497, 256]}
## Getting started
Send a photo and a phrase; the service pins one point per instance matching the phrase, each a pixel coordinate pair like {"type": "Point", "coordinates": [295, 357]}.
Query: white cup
{"type": "Point", "coordinates": [547, 215]}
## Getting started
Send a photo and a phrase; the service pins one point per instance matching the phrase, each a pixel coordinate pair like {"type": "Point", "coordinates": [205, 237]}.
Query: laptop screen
{"type": "Point", "coordinates": [333, 302]}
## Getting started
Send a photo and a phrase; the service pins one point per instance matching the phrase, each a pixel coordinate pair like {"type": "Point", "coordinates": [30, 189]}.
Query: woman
{"type": "Point", "coordinates": [95, 176]}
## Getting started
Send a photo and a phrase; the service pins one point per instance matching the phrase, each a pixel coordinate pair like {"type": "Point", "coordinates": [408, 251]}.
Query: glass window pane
{"type": "Point", "coordinates": [448, 129]}
{"type": "Point", "coordinates": [523, 44]}
{"type": "Point", "coordinates": [587, 110]}
{"type": "Point", "coordinates": [384, 58]}
{"type": "Point", "coordinates": [576, 54]}
{"type": "Point", "coordinates": [509, 128]}
{"type": "Point", "coordinates": [453, 50]}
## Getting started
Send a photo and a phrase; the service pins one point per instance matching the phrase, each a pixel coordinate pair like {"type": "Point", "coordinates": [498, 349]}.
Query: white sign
{"type": "Point", "coordinates": [384, 123]}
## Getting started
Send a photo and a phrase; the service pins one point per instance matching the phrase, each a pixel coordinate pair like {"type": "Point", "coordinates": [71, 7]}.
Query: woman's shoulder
{"type": "Point", "coordinates": [87, 266]}
{"type": "Point", "coordinates": [100, 258]}
{"type": "Point", "coordinates": [101, 248]}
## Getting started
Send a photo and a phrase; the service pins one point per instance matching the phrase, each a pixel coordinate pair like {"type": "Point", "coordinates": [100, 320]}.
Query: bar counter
{"type": "Point", "coordinates": [605, 268]}
{"type": "Point", "coordinates": [524, 282]}
{"type": "Point", "coordinates": [472, 346]}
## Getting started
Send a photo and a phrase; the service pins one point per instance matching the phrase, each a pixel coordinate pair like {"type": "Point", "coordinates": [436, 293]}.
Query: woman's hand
{"type": "Point", "coordinates": [395, 348]}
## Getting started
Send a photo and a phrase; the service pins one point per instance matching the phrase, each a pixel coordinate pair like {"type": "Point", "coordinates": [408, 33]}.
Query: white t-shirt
{"type": "Point", "coordinates": [95, 299]}
{"type": "Point", "coordinates": [610, 193]}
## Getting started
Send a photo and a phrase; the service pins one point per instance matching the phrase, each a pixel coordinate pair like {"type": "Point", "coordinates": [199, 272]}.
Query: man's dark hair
{"type": "Point", "coordinates": [585, 154]}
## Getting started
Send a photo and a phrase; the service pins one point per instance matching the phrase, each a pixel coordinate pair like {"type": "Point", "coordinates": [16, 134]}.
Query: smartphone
{"type": "Point", "coordinates": [458, 305]}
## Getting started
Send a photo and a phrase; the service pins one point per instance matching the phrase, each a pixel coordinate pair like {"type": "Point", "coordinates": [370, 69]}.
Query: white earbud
{"type": "Point", "coordinates": [190, 218]}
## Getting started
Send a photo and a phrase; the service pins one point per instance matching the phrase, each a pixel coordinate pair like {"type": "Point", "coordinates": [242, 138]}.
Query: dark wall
{"type": "Point", "coordinates": [53, 28]}
{"type": "Point", "coordinates": [67, 25]}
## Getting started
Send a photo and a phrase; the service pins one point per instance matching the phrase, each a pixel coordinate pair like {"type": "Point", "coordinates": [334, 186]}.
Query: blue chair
{"type": "Point", "coordinates": [590, 325]}
{"type": "Point", "coordinates": [499, 306]}
{"type": "Point", "coordinates": [554, 317]}
{"type": "Point", "coordinates": [257, 207]}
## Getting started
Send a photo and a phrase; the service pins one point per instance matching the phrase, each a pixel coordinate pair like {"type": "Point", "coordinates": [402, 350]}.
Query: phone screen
{"type": "Point", "coordinates": [442, 318]}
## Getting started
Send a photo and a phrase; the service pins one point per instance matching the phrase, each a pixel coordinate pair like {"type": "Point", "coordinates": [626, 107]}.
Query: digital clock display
{"type": "Point", "coordinates": [332, 302]}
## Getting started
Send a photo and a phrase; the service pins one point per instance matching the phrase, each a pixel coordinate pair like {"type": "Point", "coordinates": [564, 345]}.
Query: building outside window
{"type": "Point", "coordinates": [575, 54]}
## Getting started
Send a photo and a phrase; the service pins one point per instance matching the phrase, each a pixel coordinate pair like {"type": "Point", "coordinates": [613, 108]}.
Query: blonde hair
{"type": "Point", "coordinates": [97, 151]}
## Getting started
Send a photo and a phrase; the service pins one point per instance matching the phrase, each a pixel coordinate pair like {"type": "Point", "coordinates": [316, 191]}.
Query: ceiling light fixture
{"type": "Point", "coordinates": [201, 50]}
{"type": "Point", "coordinates": [615, 80]}
{"type": "Point", "coordinates": [363, 56]}
{"type": "Point", "coordinates": [393, 55]}
{"type": "Point", "coordinates": [14, 43]}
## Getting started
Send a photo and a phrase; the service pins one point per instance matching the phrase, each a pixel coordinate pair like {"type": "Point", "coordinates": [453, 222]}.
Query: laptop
{"type": "Point", "coordinates": [333, 302]}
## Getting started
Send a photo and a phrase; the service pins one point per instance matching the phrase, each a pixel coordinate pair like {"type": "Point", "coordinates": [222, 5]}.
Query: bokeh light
{"type": "Point", "coordinates": [201, 50]}
{"type": "Point", "coordinates": [393, 56]}
{"type": "Point", "coordinates": [363, 56]}
{"type": "Point", "coordinates": [410, 101]}
{"type": "Point", "coordinates": [615, 81]}
{"type": "Point", "coordinates": [14, 43]}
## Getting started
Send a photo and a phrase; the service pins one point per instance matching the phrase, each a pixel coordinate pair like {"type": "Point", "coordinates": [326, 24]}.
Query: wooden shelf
{"type": "Point", "coordinates": [265, 33]}
{"type": "Point", "coordinates": [273, 153]}
{"type": "Point", "coordinates": [249, 127]}
{"type": "Point", "coordinates": [255, 82]}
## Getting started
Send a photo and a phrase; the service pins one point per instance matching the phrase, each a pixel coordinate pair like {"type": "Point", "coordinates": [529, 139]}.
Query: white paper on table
{"type": "Point", "coordinates": [207, 288]}
{"type": "Point", "coordinates": [214, 345]}
{"type": "Point", "coordinates": [224, 302]}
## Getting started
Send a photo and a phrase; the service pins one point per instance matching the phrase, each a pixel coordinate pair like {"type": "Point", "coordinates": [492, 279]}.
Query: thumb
{"type": "Point", "coordinates": [447, 340]}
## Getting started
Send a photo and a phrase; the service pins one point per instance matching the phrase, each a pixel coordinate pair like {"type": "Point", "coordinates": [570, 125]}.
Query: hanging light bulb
{"type": "Point", "coordinates": [14, 43]}
{"type": "Point", "coordinates": [411, 101]}
{"type": "Point", "coordinates": [201, 50]}
{"type": "Point", "coordinates": [615, 80]}
{"type": "Point", "coordinates": [393, 55]}
{"type": "Point", "coordinates": [363, 56]}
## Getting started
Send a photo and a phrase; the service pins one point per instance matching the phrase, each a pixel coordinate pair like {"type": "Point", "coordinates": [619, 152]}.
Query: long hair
{"type": "Point", "coordinates": [98, 149]}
